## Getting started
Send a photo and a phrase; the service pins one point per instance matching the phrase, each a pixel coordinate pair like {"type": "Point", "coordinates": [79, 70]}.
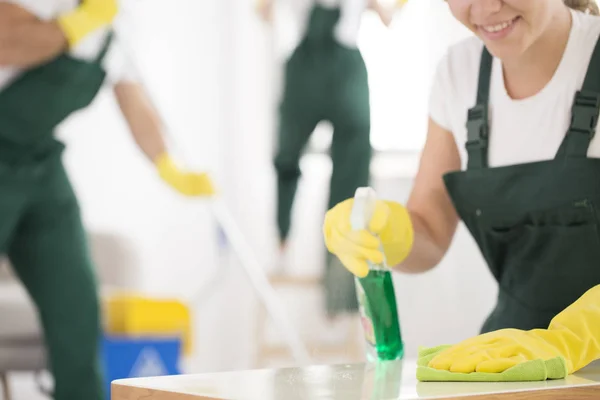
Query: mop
{"type": "Point", "coordinates": [243, 251]}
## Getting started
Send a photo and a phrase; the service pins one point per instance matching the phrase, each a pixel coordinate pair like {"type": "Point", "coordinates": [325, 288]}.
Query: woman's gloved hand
{"type": "Point", "coordinates": [574, 334]}
{"type": "Point", "coordinates": [88, 17]}
{"type": "Point", "coordinates": [389, 237]}
{"type": "Point", "coordinates": [186, 183]}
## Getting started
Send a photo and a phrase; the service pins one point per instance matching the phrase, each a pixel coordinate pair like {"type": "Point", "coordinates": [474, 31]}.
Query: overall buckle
{"type": "Point", "coordinates": [477, 124]}
{"type": "Point", "coordinates": [478, 144]}
{"type": "Point", "coordinates": [477, 137]}
{"type": "Point", "coordinates": [584, 113]}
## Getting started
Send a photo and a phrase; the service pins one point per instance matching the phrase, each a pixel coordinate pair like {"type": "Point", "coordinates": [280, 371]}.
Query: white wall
{"type": "Point", "coordinates": [179, 52]}
{"type": "Point", "coordinates": [118, 187]}
{"type": "Point", "coordinates": [214, 69]}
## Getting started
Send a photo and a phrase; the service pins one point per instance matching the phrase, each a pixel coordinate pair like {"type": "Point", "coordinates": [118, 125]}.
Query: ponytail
{"type": "Point", "coordinates": [587, 6]}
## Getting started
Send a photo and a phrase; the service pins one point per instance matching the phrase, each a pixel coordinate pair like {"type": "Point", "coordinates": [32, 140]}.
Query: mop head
{"type": "Point", "coordinates": [535, 370]}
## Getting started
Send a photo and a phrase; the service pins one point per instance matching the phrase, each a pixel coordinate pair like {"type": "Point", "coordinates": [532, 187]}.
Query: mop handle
{"type": "Point", "coordinates": [265, 291]}
{"type": "Point", "coordinates": [245, 255]}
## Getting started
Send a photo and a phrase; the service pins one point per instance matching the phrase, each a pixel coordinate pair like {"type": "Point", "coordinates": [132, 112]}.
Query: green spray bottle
{"type": "Point", "coordinates": [376, 296]}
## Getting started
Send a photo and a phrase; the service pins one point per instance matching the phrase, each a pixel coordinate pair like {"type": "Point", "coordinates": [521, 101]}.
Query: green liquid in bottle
{"type": "Point", "coordinates": [379, 315]}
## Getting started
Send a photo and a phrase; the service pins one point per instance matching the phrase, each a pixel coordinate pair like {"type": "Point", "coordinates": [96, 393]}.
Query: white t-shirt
{"type": "Point", "coordinates": [115, 62]}
{"type": "Point", "coordinates": [348, 26]}
{"type": "Point", "coordinates": [521, 131]}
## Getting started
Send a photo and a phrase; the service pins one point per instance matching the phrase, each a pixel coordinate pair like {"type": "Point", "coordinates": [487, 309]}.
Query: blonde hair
{"type": "Point", "coordinates": [587, 6]}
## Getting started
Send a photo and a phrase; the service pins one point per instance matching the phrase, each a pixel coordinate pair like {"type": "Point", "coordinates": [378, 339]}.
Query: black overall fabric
{"type": "Point", "coordinates": [536, 224]}
{"type": "Point", "coordinates": [325, 81]}
{"type": "Point", "coordinates": [40, 224]}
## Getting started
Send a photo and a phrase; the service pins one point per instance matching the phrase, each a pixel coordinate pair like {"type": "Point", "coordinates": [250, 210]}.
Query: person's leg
{"type": "Point", "coordinates": [351, 157]}
{"type": "Point", "coordinates": [351, 146]}
{"type": "Point", "coordinates": [50, 255]}
{"type": "Point", "coordinates": [294, 132]}
{"type": "Point", "coordinates": [298, 117]}
{"type": "Point", "coordinates": [13, 200]}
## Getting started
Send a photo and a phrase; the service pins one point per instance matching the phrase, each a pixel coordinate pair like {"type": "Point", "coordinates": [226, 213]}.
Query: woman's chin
{"type": "Point", "coordinates": [506, 50]}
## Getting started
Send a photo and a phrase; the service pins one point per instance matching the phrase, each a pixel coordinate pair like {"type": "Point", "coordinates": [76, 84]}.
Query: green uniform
{"type": "Point", "coordinates": [536, 224]}
{"type": "Point", "coordinates": [325, 80]}
{"type": "Point", "coordinates": [40, 224]}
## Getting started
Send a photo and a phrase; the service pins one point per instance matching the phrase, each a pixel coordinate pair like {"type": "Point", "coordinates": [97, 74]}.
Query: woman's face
{"type": "Point", "coordinates": [507, 27]}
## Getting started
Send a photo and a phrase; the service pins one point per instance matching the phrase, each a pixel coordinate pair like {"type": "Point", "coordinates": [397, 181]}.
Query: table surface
{"type": "Point", "coordinates": [386, 381]}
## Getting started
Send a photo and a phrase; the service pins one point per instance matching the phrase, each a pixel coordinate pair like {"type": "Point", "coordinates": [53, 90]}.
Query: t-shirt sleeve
{"type": "Point", "coordinates": [441, 95]}
{"type": "Point", "coordinates": [118, 64]}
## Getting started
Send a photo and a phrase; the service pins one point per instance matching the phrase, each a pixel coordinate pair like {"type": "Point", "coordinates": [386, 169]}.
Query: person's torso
{"type": "Point", "coordinates": [530, 194]}
{"type": "Point", "coordinates": [531, 129]}
{"type": "Point", "coordinates": [347, 27]}
{"type": "Point", "coordinates": [88, 49]}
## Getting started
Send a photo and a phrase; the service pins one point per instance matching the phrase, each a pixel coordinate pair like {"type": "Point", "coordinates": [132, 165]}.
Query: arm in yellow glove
{"type": "Point", "coordinates": [390, 236]}
{"type": "Point", "coordinates": [574, 334]}
{"type": "Point", "coordinates": [85, 19]}
{"type": "Point", "coordinates": [412, 239]}
{"type": "Point", "coordinates": [26, 40]}
{"type": "Point", "coordinates": [186, 183]}
{"type": "Point", "coordinates": [146, 129]}
{"type": "Point", "coordinates": [399, 236]}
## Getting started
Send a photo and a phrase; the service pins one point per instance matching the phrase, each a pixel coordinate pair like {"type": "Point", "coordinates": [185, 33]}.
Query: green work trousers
{"type": "Point", "coordinates": [42, 234]}
{"type": "Point", "coordinates": [325, 81]}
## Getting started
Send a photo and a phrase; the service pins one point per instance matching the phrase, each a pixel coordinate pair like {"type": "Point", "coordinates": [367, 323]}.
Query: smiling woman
{"type": "Point", "coordinates": [510, 152]}
{"type": "Point", "coordinates": [587, 6]}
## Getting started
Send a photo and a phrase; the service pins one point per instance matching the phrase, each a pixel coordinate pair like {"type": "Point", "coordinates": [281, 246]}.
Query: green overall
{"type": "Point", "coordinates": [40, 225]}
{"type": "Point", "coordinates": [536, 224]}
{"type": "Point", "coordinates": [325, 80]}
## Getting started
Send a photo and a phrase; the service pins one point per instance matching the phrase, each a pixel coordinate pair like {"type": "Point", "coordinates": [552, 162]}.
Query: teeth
{"type": "Point", "coordinates": [498, 27]}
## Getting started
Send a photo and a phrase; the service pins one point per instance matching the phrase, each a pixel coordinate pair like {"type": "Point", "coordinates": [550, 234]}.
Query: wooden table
{"type": "Point", "coordinates": [394, 380]}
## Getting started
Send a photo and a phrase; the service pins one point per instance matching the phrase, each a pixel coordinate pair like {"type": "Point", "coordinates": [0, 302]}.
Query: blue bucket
{"type": "Point", "coordinates": [137, 357]}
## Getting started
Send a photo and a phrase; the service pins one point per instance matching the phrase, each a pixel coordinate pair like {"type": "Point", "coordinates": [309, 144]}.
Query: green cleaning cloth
{"type": "Point", "coordinates": [535, 370]}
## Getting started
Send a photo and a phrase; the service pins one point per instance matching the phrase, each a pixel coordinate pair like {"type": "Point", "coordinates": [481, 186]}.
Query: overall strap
{"type": "Point", "coordinates": [321, 23]}
{"type": "Point", "coordinates": [477, 117]}
{"type": "Point", "coordinates": [584, 113]}
{"type": "Point", "coordinates": [105, 47]}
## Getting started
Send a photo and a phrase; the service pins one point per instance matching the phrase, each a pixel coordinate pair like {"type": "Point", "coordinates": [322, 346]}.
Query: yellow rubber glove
{"type": "Point", "coordinates": [574, 334]}
{"type": "Point", "coordinates": [186, 183]}
{"type": "Point", "coordinates": [88, 17]}
{"type": "Point", "coordinates": [389, 237]}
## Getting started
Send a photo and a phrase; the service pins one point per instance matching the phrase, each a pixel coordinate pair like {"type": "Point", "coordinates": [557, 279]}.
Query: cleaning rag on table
{"type": "Point", "coordinates": [535, 370]}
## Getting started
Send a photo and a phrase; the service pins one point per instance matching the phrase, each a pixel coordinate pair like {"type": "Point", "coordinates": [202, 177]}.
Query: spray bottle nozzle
{"type": "Point", "coordinates": [365, 199]}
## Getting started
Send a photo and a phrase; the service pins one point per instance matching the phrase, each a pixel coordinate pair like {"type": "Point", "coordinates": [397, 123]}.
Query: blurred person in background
{"type": "Point", "coordinates": [326, 79]}
{"type": "Point", "coordinates": [55, 56]}
{"type": "Point", "coordinates": [512, 151]}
